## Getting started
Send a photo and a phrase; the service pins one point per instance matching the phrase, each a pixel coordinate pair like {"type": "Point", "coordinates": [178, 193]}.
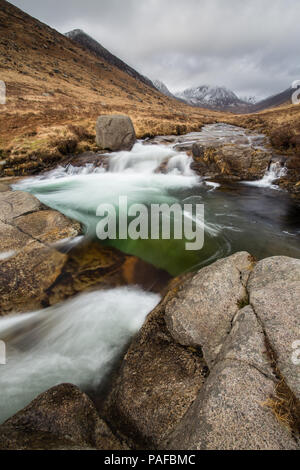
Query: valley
{"type": "Point", "coordinates": [136, 342]}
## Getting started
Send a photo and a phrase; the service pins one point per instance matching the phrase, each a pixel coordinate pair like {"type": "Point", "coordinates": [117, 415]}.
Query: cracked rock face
{"type": "Point", "coordinates": [202, 312]}
{"type": "Point", "coordinates": [274, 289]}
{"type": "Point", "coordinates": [14, 204]}
{"type": "Point", "coordinates": [228, 414]}
{"type": "Point", "coordinates": [158, 398]}
{"type": "Point", "coordinates": [28, 265]}
{"type": "Point", "coordinates": [246, 343]}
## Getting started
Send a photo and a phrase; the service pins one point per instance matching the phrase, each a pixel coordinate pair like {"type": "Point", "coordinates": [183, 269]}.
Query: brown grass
{"type": "Point", "coordinates": [56, 91]}
{"type": "Point", "coordinates": [285, 407]}
{"type": "Point", "coordinates": [281, 124]}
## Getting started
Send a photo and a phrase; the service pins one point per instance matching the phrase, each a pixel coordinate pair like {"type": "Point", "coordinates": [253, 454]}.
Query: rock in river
{"type": "Point", "coordinates": [115, 132]}
{"type": "Point", "coordinates": [229, 161]}
{"type": "Point", "coordinates": [28, 263]}
{"type": "Point", "coordinates": [63, 418]}
{"type": "Point", "coordinates": [36, 272]}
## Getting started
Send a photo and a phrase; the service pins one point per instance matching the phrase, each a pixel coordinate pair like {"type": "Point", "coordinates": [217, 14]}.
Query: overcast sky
{"type": "Point", "coordinates": [250, 46]}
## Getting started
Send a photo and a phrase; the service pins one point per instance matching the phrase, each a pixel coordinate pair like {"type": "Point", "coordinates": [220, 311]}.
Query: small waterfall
{"type": "Point", "coordinates": [144, 159]}
{"type": "Point", "coordinates": [274, 173]}
{"type": "Point", "coordinates": [77, 341]}
{"type": "Point", "coordinates": [78, 194]}
{"type": "Point", "coordinates": [180, 164]}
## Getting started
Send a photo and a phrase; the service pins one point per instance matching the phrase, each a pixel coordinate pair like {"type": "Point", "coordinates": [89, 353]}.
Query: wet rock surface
{"type": "Point", "coordinates": [229, 153]}
{"type": "Point", "coordinates": [14, 204]}
{"type": "Point", "coordinates": [47, 226]}
{"type": "Point", "coordinates": [231, 161]}
{"type": "Point", "coordinates": [61, 418]}
{"type": "Point", "coordinates": [38, 268]}
{"type": "Point", "coordinates": [28, 264]}
{"type": "Point", "coordinates": [92, 266]}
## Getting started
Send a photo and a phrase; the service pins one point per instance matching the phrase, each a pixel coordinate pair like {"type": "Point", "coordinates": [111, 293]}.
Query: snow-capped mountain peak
{"type": "Point", "coordinates": [211, 96]}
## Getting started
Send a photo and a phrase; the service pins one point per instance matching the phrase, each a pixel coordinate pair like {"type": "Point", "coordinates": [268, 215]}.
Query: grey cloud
{"type": "Point", "coordinates": [250, 46]}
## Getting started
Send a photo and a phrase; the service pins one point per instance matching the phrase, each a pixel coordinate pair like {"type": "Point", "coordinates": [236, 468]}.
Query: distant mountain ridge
{"type": "Point", "coordinates": [213, 97]}
{"type": "Point", "coordinates": [274, 100]}
{"type": "Point", "coordinates": [223, 99]}
{"type": "Point", "coordinates": [87, 42]}
{"type": "Point", "coordinates": [216, 98]}
{"type": "Point", "coordinates": [160, 86]}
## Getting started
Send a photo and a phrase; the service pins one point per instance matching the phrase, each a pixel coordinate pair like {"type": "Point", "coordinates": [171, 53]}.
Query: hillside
{"type": "Point", "coordinates": [160, 86]}
{"type": "Point", "coordinates": [56, 90]}
{"type": "Point", "coordinates": [88, 43]}
{"type": "Point", "coordinates": [277, 99]}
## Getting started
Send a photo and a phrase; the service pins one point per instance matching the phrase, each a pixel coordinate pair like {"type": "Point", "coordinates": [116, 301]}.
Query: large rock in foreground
{"type": "Point", "coordinates": [230, 411]}
{"type": "Point", "coordinates": [201, 313]}
{"type": "Point", "coordinates": [157, 383]}
{"type": "Point", "coordinates": [115, 132]}
{"type": "Point", "coordinates": [62, 418]}
{"type": "Point", "coordinates": [208, 368]}
{"type": "Point", "coordinates": [212, 368]}
{"type": "Point", "coordinates": [274, 289]}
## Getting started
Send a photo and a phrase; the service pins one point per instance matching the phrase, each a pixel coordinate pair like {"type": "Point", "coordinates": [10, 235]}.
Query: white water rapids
{"type": "Point", "coordinates": [79, 340]}
{"type": "Point", "coordinates": [148, 174]}
{"type": "Point", "coordinates": [77, 192]}
{"type": "Point", "coordinates": [273, 174]}
{"type": "Point", "coordinates": [76, 342]}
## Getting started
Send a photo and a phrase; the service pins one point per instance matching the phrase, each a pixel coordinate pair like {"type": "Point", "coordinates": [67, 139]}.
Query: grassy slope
{"type": "Point", "coordinates": [56, 90]}
{"type": "Point", "coordinates": [52, 84]}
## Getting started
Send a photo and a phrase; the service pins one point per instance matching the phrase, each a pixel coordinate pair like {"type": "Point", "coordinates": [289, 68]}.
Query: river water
{"type": "Point", "coordinates": [256, 217]}
{"type": "Point", "coordinates": [78, 341]}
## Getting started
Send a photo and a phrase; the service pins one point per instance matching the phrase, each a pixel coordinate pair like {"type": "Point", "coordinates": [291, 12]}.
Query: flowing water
{"type": "Point", "coordinates": [256, 216]}
{"type": "Point", "coordinates": [76, 342]}
{"type": "Point", "coordinates": [79, 340]}
{"type": "Point", "coordinates": [275, 172]}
